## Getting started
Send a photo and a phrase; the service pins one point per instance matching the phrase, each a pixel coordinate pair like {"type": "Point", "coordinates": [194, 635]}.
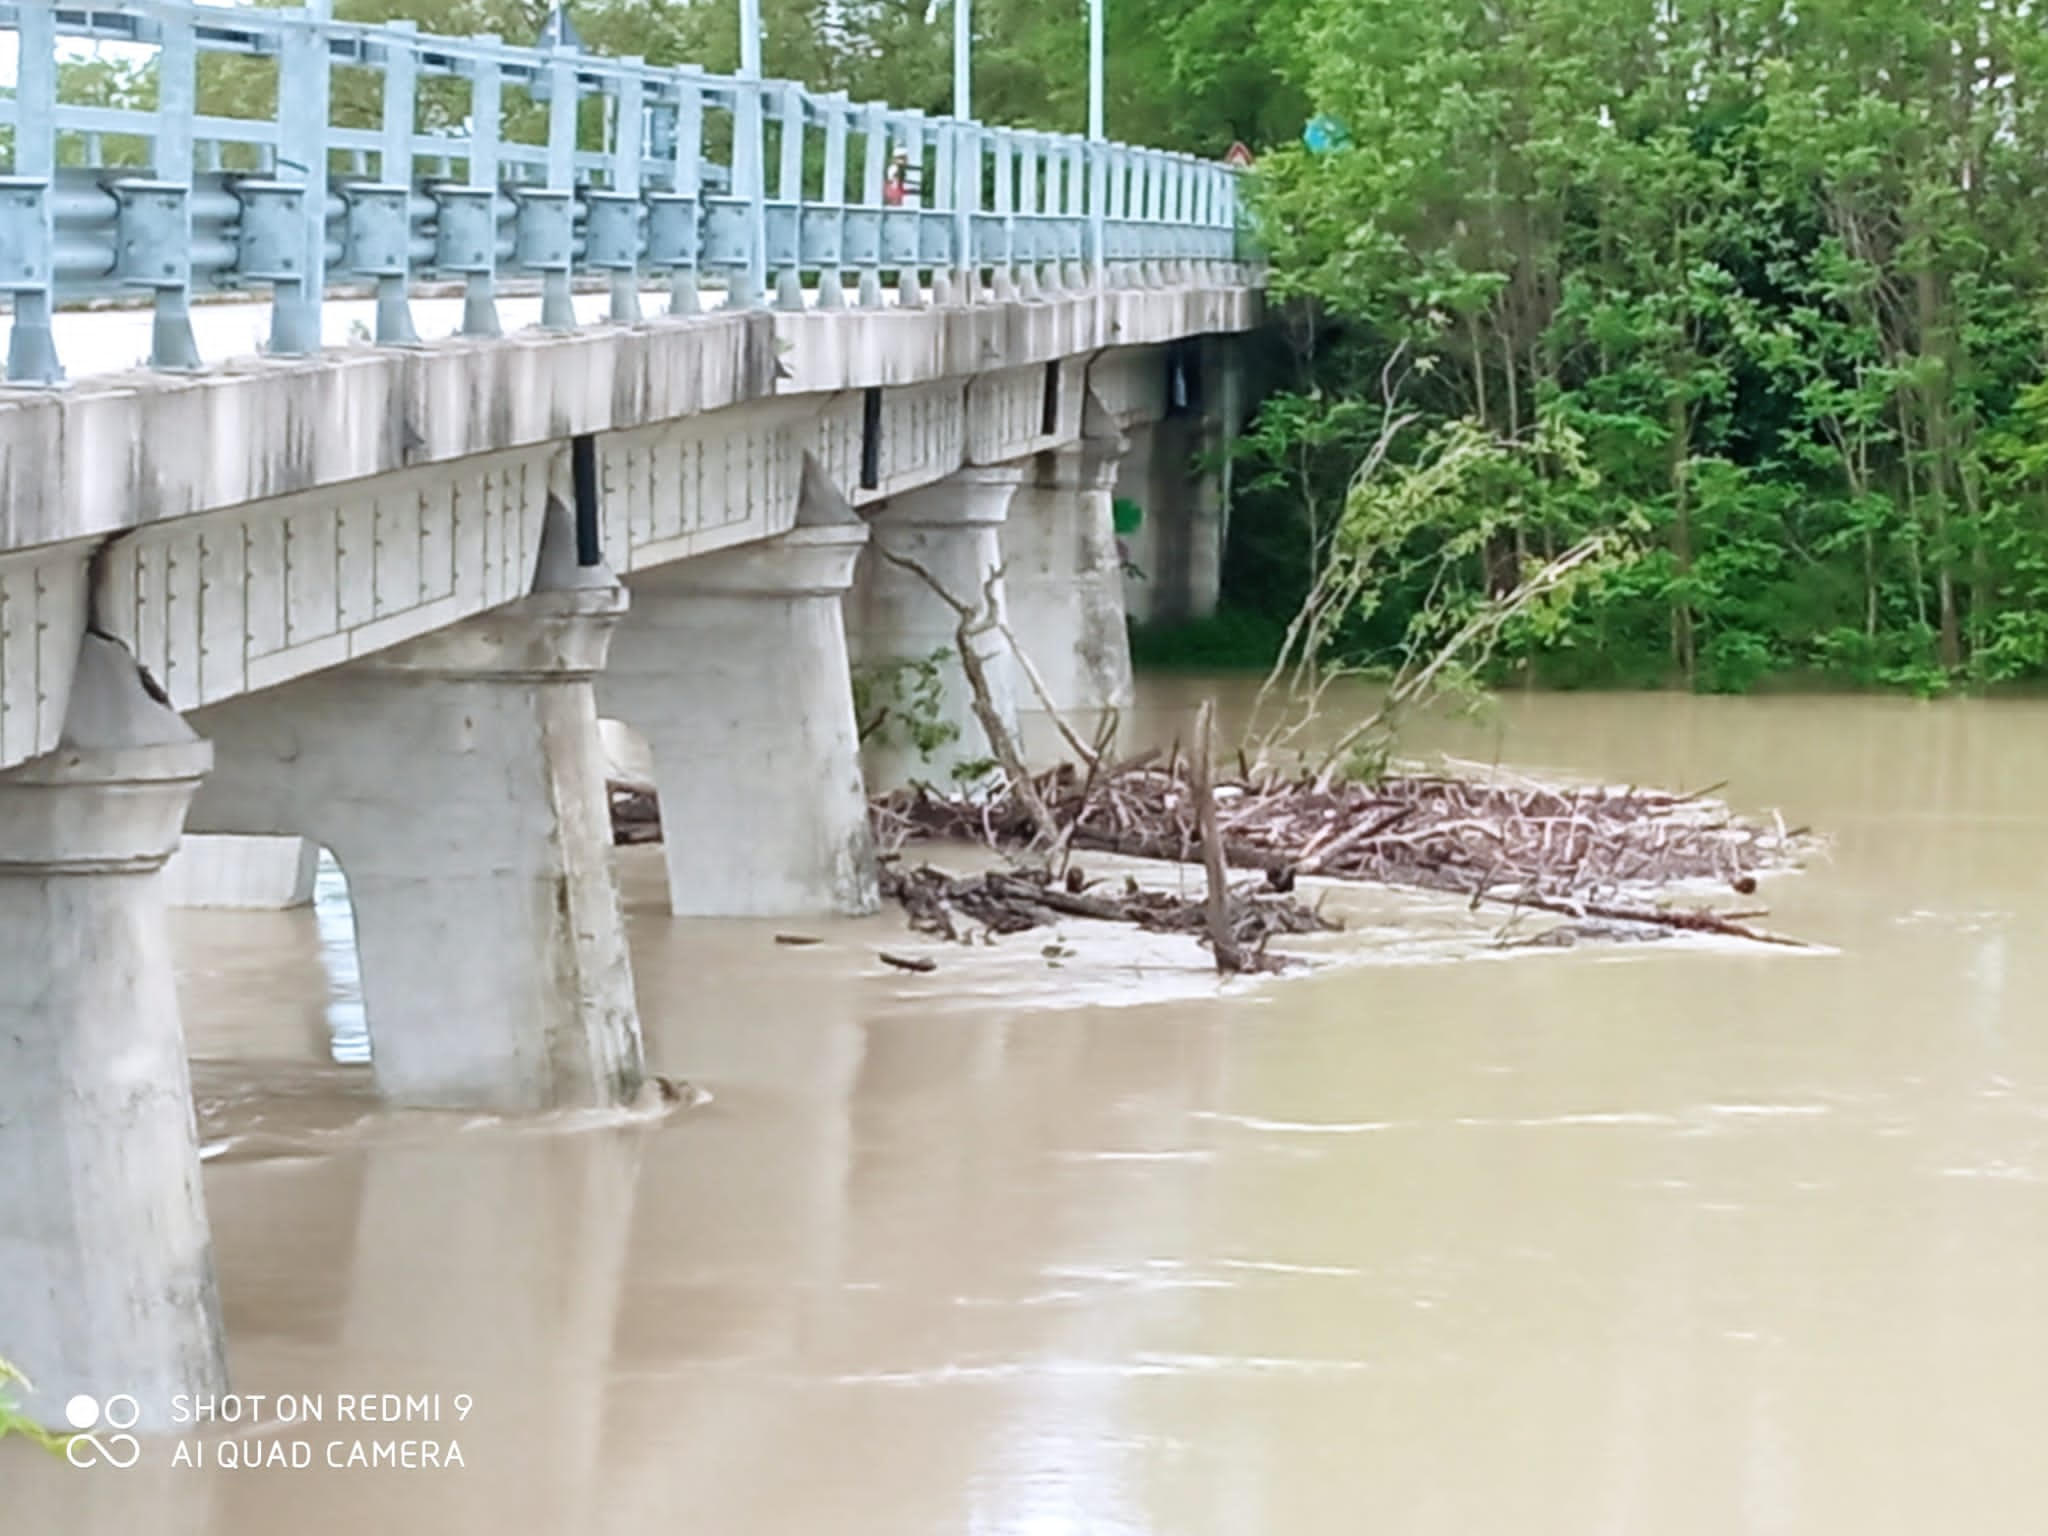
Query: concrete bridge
{"type": "Point", "coordinates": [378, 595]}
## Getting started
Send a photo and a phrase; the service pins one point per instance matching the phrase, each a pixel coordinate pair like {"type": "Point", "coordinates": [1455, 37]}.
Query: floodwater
{"type": "Point", "coordinates": [1660, 1238]}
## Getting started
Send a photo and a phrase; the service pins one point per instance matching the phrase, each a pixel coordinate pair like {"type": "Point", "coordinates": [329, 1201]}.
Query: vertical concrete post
{"type": "Point", "coordinates": [1205, 518]}
{"type": "Point", "coordinates": [459, 782]}
{"type": "Point", "coordinates": [106, 1263]}
{"type": "Point", "coordinates": [733, 666]}
{"type": "Point", "coordinates": [1064, 581]}
{"type": "Point", "coordinates": [494, 958]}
{"type": "Point", "coordinates": [1178, 550]}
{"type": "Point", "coordinates": [948, 534]}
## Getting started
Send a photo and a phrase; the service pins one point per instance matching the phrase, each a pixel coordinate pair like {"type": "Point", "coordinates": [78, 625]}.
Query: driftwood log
{"type": "Point", "coordinates": [960, 908]}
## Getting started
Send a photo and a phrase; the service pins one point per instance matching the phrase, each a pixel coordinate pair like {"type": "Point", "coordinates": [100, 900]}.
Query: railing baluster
{"type": "Point", "coordinates": [909, 293]}
{"type": "Point", "coordinates": [1155, 214]}
{"type": "Point", "coordinates": [1098, 213]}
{"type": "Point", "coordinates": [304, 84]}
{"type": "Point", "coordinates": [1205, 221]}
{"type": "Point", "coordinates": [683, 298]}
{"type": "Point", "coordinates": [1074, 274]}
{"type": "Point", "coordinates": [380, 217]}
{"type": "Point", "coordinates": [547, 215]}
{"type": "Point", "coordinates": [154, 225]}
{"type": "Point", "coordinates": [1170, 230]}
{"type": "Point", "coordinates": [1183, 206]}
{"type": "Point", "coordinates": [480, 197]}
{"type": "Point", "coordinates": [1024, 226]}
{"type": "Point", "coordinates": [789, 192]}
{"type": "Point", "coordinates": [1003, 282]}
{"type": "Point", "coordinates": [612, 237]}
{"type": "Point", "coordinates": [832, 210]}
{"type": "Point", "coordinates": [874, 172]}
{"type": "Point", "coordinates": [1115, 210]}
{"type": "Point", "coordinates": [1051, 227]}
{"type": "Point", "coordinates": [945, 198]}
{"type": "Point", "coordinates": [969, 145]}
{"type": "Point", "coordinates": [27, 207]}
{"type": "Point", "coordinates": [1233, 224]}
{"type": "Point", "coordinates": [749, 181]}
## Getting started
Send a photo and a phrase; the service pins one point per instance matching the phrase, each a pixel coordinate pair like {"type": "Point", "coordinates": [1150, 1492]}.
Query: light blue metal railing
{"type": "Point", "coordinates": [492, 159]}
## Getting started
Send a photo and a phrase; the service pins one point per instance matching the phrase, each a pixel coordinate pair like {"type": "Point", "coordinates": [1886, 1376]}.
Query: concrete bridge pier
{"type": "Point", "coordinates": [945, 538]}
{"type": "Point", "coordinates": [459, 782]}
{"type": "Point", "coordinates": [733, 666]}
{"type": "Point", "coordinates": [106, 1261]}
{"type": "Point", "coordinates": [1064, 578]}
{"type": "Point", "coordinates": [1177, 551]}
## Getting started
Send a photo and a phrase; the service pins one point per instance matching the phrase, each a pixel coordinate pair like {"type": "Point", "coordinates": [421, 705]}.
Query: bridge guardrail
{"type": "Point", "coordinates": [493, 159]}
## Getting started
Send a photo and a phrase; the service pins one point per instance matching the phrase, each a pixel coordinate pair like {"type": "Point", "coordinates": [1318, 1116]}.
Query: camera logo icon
{"type": "Point", "coordinates": [99, 1431]}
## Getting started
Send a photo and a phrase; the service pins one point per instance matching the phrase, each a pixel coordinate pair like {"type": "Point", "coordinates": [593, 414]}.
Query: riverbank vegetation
{"type": "Point", "coordinates": [1756, 293]}
{"type": "Point", "coordinates": [13, 1421]}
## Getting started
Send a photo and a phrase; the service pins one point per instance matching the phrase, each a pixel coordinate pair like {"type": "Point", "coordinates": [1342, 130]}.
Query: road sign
{"type": "Point", "coordinates": [1324, 134]}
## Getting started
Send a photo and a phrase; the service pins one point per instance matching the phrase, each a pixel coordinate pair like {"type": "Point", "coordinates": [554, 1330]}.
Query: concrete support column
{"type": "Point", "coordinates": [1178, 549]}
{"type": "Point", "coordinates": [952, 533]}
{"type": "Point", "coordinates": [459, 782]}
{"type": "Point", "coordinates": [1205, 522]}
{"type": "Point", "coordinates": [106, 1262]}
{"type": "Point", "coordinates": [1065, 580]}
{"type": "Point", "coordinates": [733, 666]}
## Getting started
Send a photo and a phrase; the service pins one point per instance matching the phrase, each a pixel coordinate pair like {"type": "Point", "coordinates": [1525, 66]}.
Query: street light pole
{"type": "Point", "coordinates": [1098, 154]}
{"type": "Point", "coordinates": [1095, 69]}
{"type": "Point", "coordinates": [966, 151]}
{"type": "Point", "coordinates": [963, 71]}
{"type": "Point", "coordinates": [750, 39]}
{"type": "Point", "coordinates": [749, 171]}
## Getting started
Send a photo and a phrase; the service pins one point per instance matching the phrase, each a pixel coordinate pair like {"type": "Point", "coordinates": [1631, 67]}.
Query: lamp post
{"type": "Point", "coordinates": [750, 39]}
{"type": "Point", "coordinates": [963, 46]}
{"type": "Point", "coordinates": [1098, 154]}
{"type": "Point", "coordinates": [749, 173]}
{"type": "Point", "coordinates": [966, 151]}
{"type": "Point", "coordinates": [1095, 69]}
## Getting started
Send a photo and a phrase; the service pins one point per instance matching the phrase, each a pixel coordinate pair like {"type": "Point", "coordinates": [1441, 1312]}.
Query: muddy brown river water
{"type": "Point", "coordinates": [1662, 1238]}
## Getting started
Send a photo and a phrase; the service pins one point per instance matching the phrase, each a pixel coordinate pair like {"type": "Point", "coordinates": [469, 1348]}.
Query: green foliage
{"type": "Point", "coordinates": [901, 702]}
{"type": "Point", "coordinates": [1231, 639]}
{"type": "Point", "coordinates": [13, 1421]}
{"type": "Point", "coordinates": [1780, 277]}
